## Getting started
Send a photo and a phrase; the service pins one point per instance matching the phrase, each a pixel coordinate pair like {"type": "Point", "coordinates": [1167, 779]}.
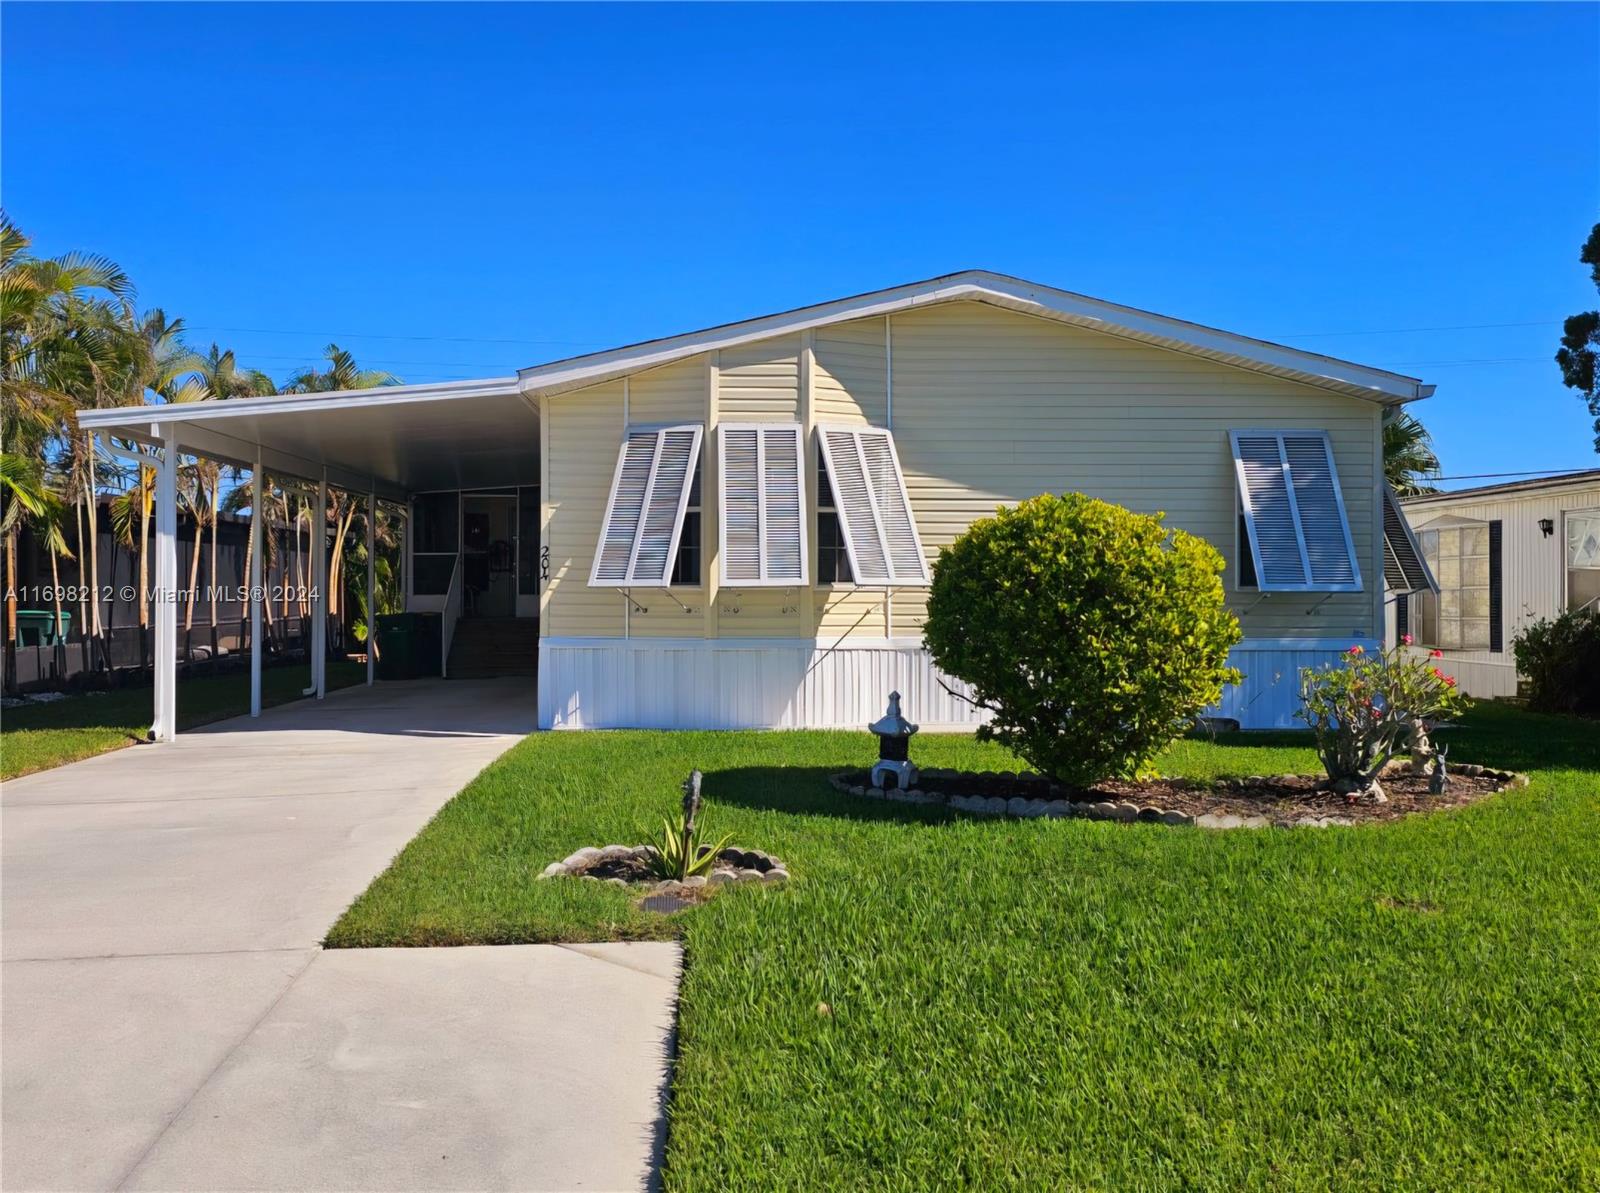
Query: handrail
{"type": "Point", "coordinates": [452, 611]}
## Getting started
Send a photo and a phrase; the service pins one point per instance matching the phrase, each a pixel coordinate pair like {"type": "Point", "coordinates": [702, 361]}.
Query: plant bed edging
{"type": "Point", "coordinates": [626, 866]}
{"type": "Point", "coordinates": [1255, 802]}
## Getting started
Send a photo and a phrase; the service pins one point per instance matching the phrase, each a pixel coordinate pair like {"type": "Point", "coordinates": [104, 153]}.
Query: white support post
{"type": "Point", "coordinates": [257, 585]}
{"type": "Point", "coordinates": [319, 602]}
{"type": "Point", "coordinates": [372, 604]}
{"type": "Point", "coordinates": [165, 724]}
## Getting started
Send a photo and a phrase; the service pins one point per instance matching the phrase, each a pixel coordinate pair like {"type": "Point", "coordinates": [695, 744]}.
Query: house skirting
{"type": "Point", "coordinates": [786, 683]}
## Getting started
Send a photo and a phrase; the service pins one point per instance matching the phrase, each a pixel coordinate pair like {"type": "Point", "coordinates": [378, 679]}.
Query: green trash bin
{"type": "Point", "coordinates": [396, 646]}
{"type": "Point", "coordinates": [37, 627]}
{"type": "Point", "coordinates": [408, 645]}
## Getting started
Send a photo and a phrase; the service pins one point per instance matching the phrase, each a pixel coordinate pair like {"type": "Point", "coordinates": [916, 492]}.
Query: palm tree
{"type": "Point", "coordinates": [1408, 456]}
{"type": "Point", "coordinates": [221, 377]}
{"type": "Point", "coordinates": [163, 368]}
{"type": "Point", "coordinates": [342, 373]}
{"type": "Point", "coordinates": [66, 345]}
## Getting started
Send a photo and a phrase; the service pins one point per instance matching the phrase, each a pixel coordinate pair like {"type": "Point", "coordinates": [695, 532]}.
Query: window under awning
{"type": "Point", "coordinates": [394, 440]}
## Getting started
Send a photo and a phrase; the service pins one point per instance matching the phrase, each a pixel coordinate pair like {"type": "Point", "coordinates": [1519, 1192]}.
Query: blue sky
{"type": "Point", "coordinates": [456, 191]}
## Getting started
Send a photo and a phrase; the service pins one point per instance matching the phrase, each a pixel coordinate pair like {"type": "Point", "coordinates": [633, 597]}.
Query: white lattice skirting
{"type": "Point", "coordinates": [776, 683]}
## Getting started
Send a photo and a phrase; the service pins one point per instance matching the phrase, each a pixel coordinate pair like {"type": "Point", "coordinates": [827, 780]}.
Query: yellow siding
{"type": "Point", "coordinates": [850, 381]}
{"type": "Point", "coordinates": [989, 407]}
{"type": "Point", "coordinates": [992, 406]}
{"type": "Point", "coordinates": [858, 612]}
{"type": "Point", "coordinates": [673, 394]}
{"type": "Point", "coordinates": [760, 382]}
{"type": "Point", "coordinates": [585, 430]}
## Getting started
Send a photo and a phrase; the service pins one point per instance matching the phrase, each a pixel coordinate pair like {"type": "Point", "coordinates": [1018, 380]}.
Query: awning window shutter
{"type": "Point", "coordinates": [1294, 512]}
{"type": "Point", "coordinates": [762, 502]}
{"type": "Point", "coordinates": [880, 533]}
{"type": "Point", "coordinates": [1404, 568]}
{"type": "Point", "coordinates": [644, 513]}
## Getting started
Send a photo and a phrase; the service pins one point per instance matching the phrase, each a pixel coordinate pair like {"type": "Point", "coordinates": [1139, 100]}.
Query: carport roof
{"type": "Point", "coordinates": [394, 440]}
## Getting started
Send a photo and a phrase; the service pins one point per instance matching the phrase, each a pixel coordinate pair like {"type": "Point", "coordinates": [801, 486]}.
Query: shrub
{"type": "Point", "coordinates": [681, 851]}
{"type": "Point", "coordinates": [1560, 659]}
{"type": "Point", "coordinates": [1094, 635]}
{"type": "Point", "coordinates": [1362, 708]}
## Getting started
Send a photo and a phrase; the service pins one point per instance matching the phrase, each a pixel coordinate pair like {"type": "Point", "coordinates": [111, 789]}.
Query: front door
{"type": "Point", "coordinates": [488, 555]}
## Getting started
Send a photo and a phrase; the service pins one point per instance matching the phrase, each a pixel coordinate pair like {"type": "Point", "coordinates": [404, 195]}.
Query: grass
{"type": "Point", "coordinates": [936, 1000]}
{"type": "Point", "coordinates": [47, 735]}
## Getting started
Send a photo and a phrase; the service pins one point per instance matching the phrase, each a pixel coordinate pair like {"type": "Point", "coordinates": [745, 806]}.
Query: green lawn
{"type": "Point", "coordinates": [1074, 1004]}
{"type": "Point", "coordinates": [49, 735]}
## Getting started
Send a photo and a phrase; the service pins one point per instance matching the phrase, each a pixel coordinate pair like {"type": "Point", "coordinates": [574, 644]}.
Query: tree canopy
{"type": "Point", "coordinates": [1580, 340]}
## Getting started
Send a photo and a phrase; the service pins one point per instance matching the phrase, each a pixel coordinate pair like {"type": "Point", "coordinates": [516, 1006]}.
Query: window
{"type": "Point", "coordinates": [435, 541]}
{"type": "Point", "coordinates": [1458, 617]}
{"type": "Point", "coordinates": [1242, 553]}
{"type": "Point", "coordinates": [1583, 559]}
{"type": "Point", "coordinates": [761, 473]}
{"type": "Point", "coordinates": [1294, 513]}
{"type": "Point", "coordinates": [686, 566]}
{"type": "Point", "coordinates": [436, 523]}
{"type": "Point", "coordinates": [872, 507]}
{"type": "Point", "coordinates": [645, 510]}
{"type": "Point", "coordinates": [833, 557]}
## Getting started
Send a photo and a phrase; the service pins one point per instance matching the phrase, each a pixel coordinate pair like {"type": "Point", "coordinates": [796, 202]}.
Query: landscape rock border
{"type": "Point", "coordinates": [735, 865]}
{"type": "Point", "coordinates": [1051, 801]}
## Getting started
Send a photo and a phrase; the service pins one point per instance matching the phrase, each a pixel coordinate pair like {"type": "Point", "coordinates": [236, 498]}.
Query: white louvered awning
{"type": "Point", "coordinates": [644, 512]}
{"type": "Point", "coordinates": [880, 534]}
{"type": "Point", "coordinates": [762, 501]}
{"type": "Point", "coordinates": [1294, 512]}
{"type": "Point", "coordinates": [1404, 568]}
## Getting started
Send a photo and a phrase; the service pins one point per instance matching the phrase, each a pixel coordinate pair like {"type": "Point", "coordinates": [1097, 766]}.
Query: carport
{"type": "Point", "coordinates": [388, 443]}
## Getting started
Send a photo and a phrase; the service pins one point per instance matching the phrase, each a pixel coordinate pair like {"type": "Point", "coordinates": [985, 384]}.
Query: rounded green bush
{"type": "Point", "coordinates": [1093, 634]}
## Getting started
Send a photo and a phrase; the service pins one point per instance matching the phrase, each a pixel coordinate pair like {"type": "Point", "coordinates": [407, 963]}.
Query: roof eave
{"type": "Point", "coordinates": [1061, 306]}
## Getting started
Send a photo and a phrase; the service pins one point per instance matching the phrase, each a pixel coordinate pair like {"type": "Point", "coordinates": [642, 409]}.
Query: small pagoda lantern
{"type": "Point", "coordinates": [894, 748]}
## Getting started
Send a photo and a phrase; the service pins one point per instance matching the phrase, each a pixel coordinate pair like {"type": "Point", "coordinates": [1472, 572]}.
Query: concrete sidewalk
{"type": "Point", "coordinates": [170, 1022]}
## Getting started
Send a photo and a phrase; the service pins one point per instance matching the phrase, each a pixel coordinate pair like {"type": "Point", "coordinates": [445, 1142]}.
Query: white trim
{"type": "Point", "coordinates": [164, 602]}
{"type": "Point", "coordinates": [888, 371]}
{"type": "Point", "coordinates": [1000, 290]}
{"type": "Point", "coordinates": [344, 399]}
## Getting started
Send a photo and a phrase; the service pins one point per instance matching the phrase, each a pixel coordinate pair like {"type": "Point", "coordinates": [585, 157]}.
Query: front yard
{"type": "Point", "coordinates": [936, 1000]}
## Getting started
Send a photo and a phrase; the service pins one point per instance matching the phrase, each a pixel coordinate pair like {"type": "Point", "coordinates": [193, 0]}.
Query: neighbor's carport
{"type": "Point", "coordinates": [385, 443]}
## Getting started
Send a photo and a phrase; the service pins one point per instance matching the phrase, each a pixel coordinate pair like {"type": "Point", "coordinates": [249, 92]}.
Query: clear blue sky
{"type": "Point", "coordinates": [459, 191]}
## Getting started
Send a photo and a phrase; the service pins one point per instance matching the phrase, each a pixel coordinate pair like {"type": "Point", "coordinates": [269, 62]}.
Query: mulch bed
{"type": "Point", "coordinates": [1297, 796]}
{"type": "Point", "coordinates": [1220, 803]}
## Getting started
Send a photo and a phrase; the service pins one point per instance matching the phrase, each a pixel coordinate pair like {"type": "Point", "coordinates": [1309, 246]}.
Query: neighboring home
{"type": "Point", "coordinates": [1503, 556]}
{"type": "Point", "coordinates": [736, 526]}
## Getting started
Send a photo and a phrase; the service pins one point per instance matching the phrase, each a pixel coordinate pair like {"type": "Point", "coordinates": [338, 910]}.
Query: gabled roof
{"type": "Point", "coordinates": [1015, 294]}
{"type": "Point", "coordinates": [1527, 488]}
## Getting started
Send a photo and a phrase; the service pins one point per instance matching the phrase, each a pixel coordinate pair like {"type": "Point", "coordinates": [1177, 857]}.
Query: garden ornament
{"type": "Point", "coordinates": [894, 748]}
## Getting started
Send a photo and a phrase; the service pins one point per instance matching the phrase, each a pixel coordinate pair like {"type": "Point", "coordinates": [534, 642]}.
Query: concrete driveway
{"type": "Point", "coordinates": [169, 1021]}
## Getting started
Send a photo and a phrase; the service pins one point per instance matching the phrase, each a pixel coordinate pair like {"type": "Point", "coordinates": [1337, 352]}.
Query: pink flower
{"type": "Point", "coordinates": [1405, 639]}
{"type": "Point", "coordinates": [1449, 681]}
{"type": "Point", "coordinates": [1356, 650]}
{"type": "Point", "coordinates": [1437, 673]}
{"type": "Point", "coordinates": [1436, 654]}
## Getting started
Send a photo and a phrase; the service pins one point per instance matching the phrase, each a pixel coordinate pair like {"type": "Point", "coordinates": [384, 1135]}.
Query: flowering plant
{"type": "Point", "coordinates": [1362, 709]}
